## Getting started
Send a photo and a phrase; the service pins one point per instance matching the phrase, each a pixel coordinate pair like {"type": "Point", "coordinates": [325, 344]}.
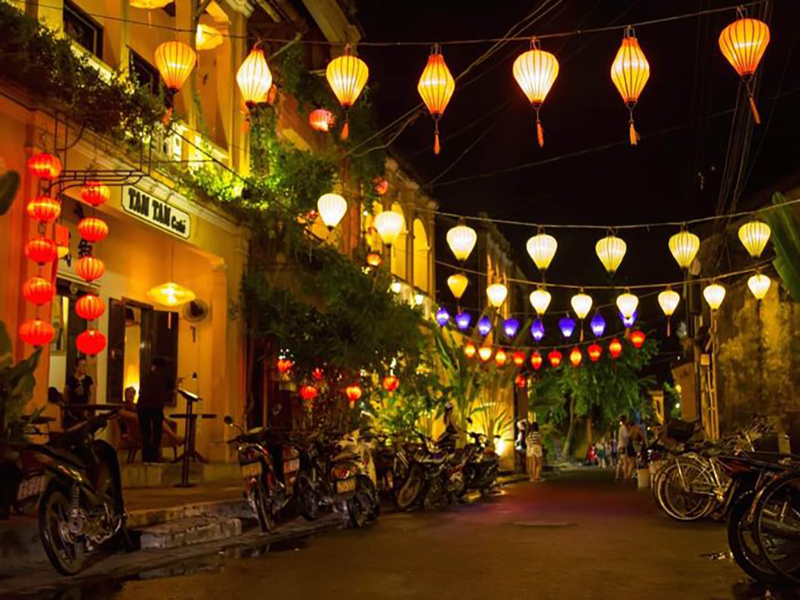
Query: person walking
{"type": "Point", "coordinates": [625, 450]}
{"type": "Point", "coordinates": [78, 390]}
{"type": "Point", "coordinates": [156, 391]}
{"type": "Point", "coordinates": [534, 452]}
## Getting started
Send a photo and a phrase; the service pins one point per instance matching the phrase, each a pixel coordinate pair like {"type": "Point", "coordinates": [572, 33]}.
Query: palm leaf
{"type": "Point", "coordinates": [786, 241]}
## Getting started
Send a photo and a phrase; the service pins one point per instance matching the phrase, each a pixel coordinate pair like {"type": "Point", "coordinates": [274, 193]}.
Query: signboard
{"type": "Point", "coordinates": [156, 212]}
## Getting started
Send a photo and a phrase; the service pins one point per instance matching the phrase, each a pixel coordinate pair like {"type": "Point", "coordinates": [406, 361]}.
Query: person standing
{"type": "Point", "coordinates": [534, 452]}
{"type": "Point", "coordinates": [156, 391]}
{"type": "Point", "coordinates": [625, 450]}
{"type": "Point", "coordinates": [78, 390]}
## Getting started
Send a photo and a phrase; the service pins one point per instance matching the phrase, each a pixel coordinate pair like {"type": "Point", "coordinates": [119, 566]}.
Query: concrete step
{"type": "Point", "coordinates": [189, 531]}
{"type": "Point", "coordinates": [146, 517]}
{"type": "Point", "coordinates": [150, 475]}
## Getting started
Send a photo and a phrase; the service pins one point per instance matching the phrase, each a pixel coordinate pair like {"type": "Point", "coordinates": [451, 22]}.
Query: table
{"type": "Point", "coordinates": [189, 451]}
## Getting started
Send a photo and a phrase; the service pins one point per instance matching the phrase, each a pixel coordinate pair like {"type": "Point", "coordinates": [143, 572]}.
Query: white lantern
{"type": "Point", "coordinates": [611, 250]}
{"type": "Point", "coordinates": [497, 293]}
{"type": "Point", "coordinates": [542, 248]}
{"type": "Point", "coordinates": [332, 208]}
{"type": "Point", "coordinates": [581, 304]}
{"type": "Point", "coordinates": [759, 285]}
{"type": "Point", "coordinates": [668, 301]}
{"type": "Point", "coordinates": [684, 247]}
{"type": "Point", "coordinates": [754, 237]}
{"type": "Point", "coordinates": [461, 240]}
{"type": "Point", "coordinates": [714, 295]}
{"type": "Point", "coordinates": [540, 300]}
{"type": "Point", "coordinates": [627, 304]}
{"type": "Point", "coordinates": [389, 225]}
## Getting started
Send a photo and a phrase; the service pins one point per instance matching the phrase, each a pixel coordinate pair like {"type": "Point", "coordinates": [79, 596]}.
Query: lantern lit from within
{"type": "Point", "coordinates": [93, 229]}
{"type": "Point", "coordinates": [436, 87]}
{"type": "Point", "coordinates": [44, 209]}
{"type": "Point", "coordinates": [537, 330]}
{"type": "Point", "coordinates": [484, 326]}
{"type": "Point", "coordinates": [38, 290]}
{"type": "Point", "coordinates": [754, 237]}
{"type": "Point", "coordinates": [629, 321]}
{"type": "Point", "coordinates": [254, 78]}
{"type": "Point", "coordinates": [594, 351]}
{"type": "Point", "coordinates": [389, 225]}
{"type": "Point", "coordinates": [510, 328]}
{"type": "Point", "coordinates": [347, 75]}
{"type": "Point", "coordinates": [207, 37]}
{"type": "Point", "coordinates": [521, 381]}
{"type": "Point", "coordinates": [390, 383]}
{"type": "Point", "coordinates": [36, 332]}
{"type": "Point", "coordinates": [540, 300]}
{"type": "Point", "coordinates": [581, 304]}
{"type": "Point", "coordinates": [630, 72]}
{"type": "Point", "coordinates": [332, 208]}
{"type": "Point", "coordinates": [318, 374]}
{"type": "Point", "coordinates": [567, 326]}
{"type": "Point", "coordinates": [284, 364]}
{"type": "Point", "coordinates": [90, 307]}
{"type": "Point", "coordinates": [150, 4]}
{"type": "Point", "coordinates": [536, 360]}
{"type": "Point", "coordinates": [175, 61]}
{"type": "Point", "coordinates": [470, 350]}
{"type": "Point", "coordinates": [45, 166]}
{"type": "Point", "coordinates": [396, 286]}
{"type": "Point", "coordinates": [759, 285]}
{"type": "Point", "coordinates": [535, 72]}
{"type": "Point", "coordinates": [668, 300]}
{"type": "Point", "coordinates": [627, 304]}
{"type": "Point", "coordinates": [91, 342]}
{"type": "Point", "coordinates": [714, 295]}
{"type": "Point", "coordinates": [542, 249]}
{"type": "Point", "coordinates": [575, 357]}
{"type": "Point", "coordinates": [171, 294]}
{"type": "Point", "coordinates": [463, 320]}
{"type": "Point", "coordinates": [461, 240]}
{"type": "Point", "coordinates": [518, 358]}
{"type": "Point", "coordinates": [41, 250]}
{"type": "Point", "coordinates": [555, 357]}
{"type": "Point", "coordinates": [743, 43]}
{"type": "Point", "coordinates": [374, 260]}
{"type": "Point", "coordinates": [353, 393]}
{"type": "Point", "coordinates": [308, 393]}
{"type": "Point", "coordinates": [611, 250]}
{"type": "Point", "coordinates": [497, 293]}
{"type": "Point", "coordinates": [615, 348]}
{"type": "Point", "coordinates": [95, 193]}
{"type": "Point", "coordinates": [442, 316]}
{"type": "Point", "coordinates": [684, 247]}
{"type": "Point", "coordinates": [485, 353]}
{"type": "Point", "coordinates": [598, 325]}
{"type": "Point", "coordinates": [321, 120]}
{"type": "Point", "coordinates": [637, 338]}
{"type": "Point", "coordinates": [500, 357]}
{"type": "Point", "coordinates": [458, 284]}
{"type": "Point", "coordinates": [419, 299]}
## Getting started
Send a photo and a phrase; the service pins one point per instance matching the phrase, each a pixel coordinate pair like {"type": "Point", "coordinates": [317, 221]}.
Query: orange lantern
{"type": "Point", "coordinates": [535, 72]}
{"type": "Point", "coordinates": [321, 120]}
{"type": "Point", "coordinates": [575, 357]}
{"type": "Point", "coordinates": [485, 353]}
{"type": "Point", "coordinates": [90, 307]}
{"type": "Point", "coordinates": [308, 392]}
{"type": "Point", "coordinates": [381, 186]}
{"type": "Point", "coordinates": [41, 250]}
{"type": "Point", "coordinates": [93, 229]}
{"type": "Point", "coordinates": [318, 374]}
{"type": "Point", "coordinates": [743, 43]}
{"type": "Point", "coordinates": [500, 357]}
{"type": "Point", "coordinates": [436, 87]}
{"type": "Point", "coordinates": [630, 72]}
{"type": "Point", "coordinates": [521, 381]}
{"type": "Point", "coordinates": [44, 166]}
{"type": "Point", "coordinates": [254, 78]}
{"type": "Point", "coordinates": [353, 393]}
{"type": "Point", "coordinates": [175, 61]}
{"type": "Point", "coordinates": [594, 351]}
{"type": "Point", "coordinates": [36, 332]}
{"type": "Point", "coordinates": [91, 342]}
{"type": "Point", "coordinates": [390, 383]}
{"type": "Point", "coordinates": [637, 338]}
{"type": "Point", "coordinates": [470, 350]}
{"type": "Point", "coordinates": [374, 260]}
{"type": "Point", "coordinates": [536, 360]}
{"type": "Point", "coordinates": [347, 76]}
{"type": "Point", "coordinates": [95, 193]}
{"type": "Point", "coordinates": [38, 290]}
{"type": "Point", "coordinates": [519, 358]}
{"type": "Point", "coordinates": [44, 209]}
{"type": "Point", "coordinates": [90, 268]}
{"type": "Point", "coordinates": [615, 348]}
{"type": "Point", "coordinates": [555, 358]}
{"type": "Point", "coordinates": [285, 365]}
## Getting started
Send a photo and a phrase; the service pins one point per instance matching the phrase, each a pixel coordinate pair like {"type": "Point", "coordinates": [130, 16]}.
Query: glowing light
{"type": "Point", "coordinates": [627, 304]}
{"type": "Point", "coordinates": [332, 208]}
{"type": "Point", "coordinates": [759, 285]}
{"type": "Point", "coordinates": [463, 321]}
{"type": "Point", "coordinates": [684, 247]}
{"type": "Point", "coordinates": [458, 284]}
{"type": "Point", "coordinates": [668, 300]}
{"type": "Point", "coordinates": [611, 250]}
{"type": "Point", "coordinates": [389, 225]}
{"type": "Point", "coordinates": [714, 295]}
{"type": "Point", "coordinates": [754, 237]}
{"type": "Point", "coordinates": [171, 294]}
{"type": "Point", "coordinates": [542, 249]}
{"type": "Point", "coordinates": [615, 348]}
{"type": "Point", "coordinates": [540, 300]}
{"type": "Point", "coordinates": [510, 328]}
{"type": "Point", "coordinates": [462, 240]}
{"type": "Point", "coordinates": [254, 78]}
{"type": "Point", "coordinates": [537, 329]}
{"type": "Point", "coordinates": [485, 353]}
{"type": "Point", "coordinates": [567, 326]}
{"type": "Point", "coordinates": [598, 325]}
{"type": "Point", "coordinates": [484, 326]}
{"type": "Point", "coordinates": [442, 316]}
{"type": "Point", "coordinates": [581, 304]}
{"type": "Point", "coordinates": [637, 338]}
{"type": "Point", "coordinates": [497, 293]}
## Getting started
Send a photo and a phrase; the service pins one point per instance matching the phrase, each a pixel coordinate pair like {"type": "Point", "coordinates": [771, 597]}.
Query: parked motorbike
{"type": "Point", "coordinates": [427, 479]}
{"type": "Point", "coordinates": [353, 478]}
{"type": "Point", "coordinates": [482, 465]}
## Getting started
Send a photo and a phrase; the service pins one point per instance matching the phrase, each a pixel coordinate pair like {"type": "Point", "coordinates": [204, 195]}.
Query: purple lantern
{"type": "Point", "coordinates": [463, 320]}
{"type": "Point", "coordinates": [442, 316]}
{"type": "Point", "coordinates": [484, 326]}
{"type": "Point", "coordinates": [537, 330]}
{"type": "Point", "coordinates": [598, 325]}
{"type": "Point", "coordinates": [629, 322]}
{"type": "Point", "coordinates": [510, 327]}
{"type": "Point", "coordinates": [567, 326]}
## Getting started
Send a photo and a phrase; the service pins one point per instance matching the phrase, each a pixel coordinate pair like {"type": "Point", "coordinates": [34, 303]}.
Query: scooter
{"type": "Point", "coordinates": [353, 478]}
{"type": "Point", "coordinates": [482, 465]}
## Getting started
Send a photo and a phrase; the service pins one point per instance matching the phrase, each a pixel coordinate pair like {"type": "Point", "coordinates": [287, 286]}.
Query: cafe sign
{"type": "Point", "coordinates": [155, 212]}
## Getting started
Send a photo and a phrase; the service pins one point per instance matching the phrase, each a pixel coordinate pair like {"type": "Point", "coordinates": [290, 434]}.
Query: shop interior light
{"type": "Point", "coordinates": [171, 294]}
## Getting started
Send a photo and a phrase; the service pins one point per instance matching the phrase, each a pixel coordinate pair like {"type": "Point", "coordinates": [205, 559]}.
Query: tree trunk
{"type": "Point", "coordinates": [568, 440]}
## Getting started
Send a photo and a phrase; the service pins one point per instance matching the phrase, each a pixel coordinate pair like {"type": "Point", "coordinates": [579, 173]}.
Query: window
{"type": "Point", "coordinates": [145, 74]}
{"type": "Point", "coordinates": [82, 28]}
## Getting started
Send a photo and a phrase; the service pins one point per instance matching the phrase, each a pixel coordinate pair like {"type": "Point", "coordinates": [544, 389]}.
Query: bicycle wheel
{"type": "Point", "coordinates": [743, 544]}
{"type": "Point", "coordinates": [683, 495]}
{"type": "Point", "coordinates": [777, 525]}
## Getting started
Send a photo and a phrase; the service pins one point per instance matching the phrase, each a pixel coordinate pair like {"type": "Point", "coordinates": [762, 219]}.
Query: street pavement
{"type": "Point", "coordinates": [578, 535]}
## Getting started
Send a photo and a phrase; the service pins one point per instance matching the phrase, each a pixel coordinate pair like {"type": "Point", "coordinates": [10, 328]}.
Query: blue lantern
{"type": "Point", "coordinates": [598, 325]}
{"type": "Point", "coordinates": [442, 316]}
{"type": "Point", "coordinates": [567, 326]}
{"type": "Point", "coordinates": [484, 326]}
{"type": "Point", "coordinates": [463, 320]}
{"type": "Point", "coordinates": [537, 330]}
{"type": "Point", "coordinates": [510, 327]}
{"type": "Point", "coordinates": [629, 322]}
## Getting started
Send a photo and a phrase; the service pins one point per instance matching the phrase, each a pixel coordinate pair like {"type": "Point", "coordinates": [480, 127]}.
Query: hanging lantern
{"type": "Point", "coordinates": [284, 364]}
{"type": "Point", "coordinates": [419, 299]}
{"type": "Point", "coordinates": [567, 326]}
{"type": "Point", "coordinates": [436, 87]}
{"type": "Point", "coordinates": [521, 381]}
{"type": "Point", "coordinates": [684, 247]}
{"type": "Point", "coordinates": [594, 351]}
{"type": "Point", "coordinates": [36, 332]}
{"type": "Point", "coordinates": [615, 348]}
{"type": "Point", "coordinates": [381, 185]}
{"type": "Point", "coordinates": [91, 342]}
{"type": "Point", "coordinates": [254, 78]}
{"type": "Point", "coordinates": [759, 285]}
{"type": "Point", "coordinates": [575, 357]}
{"type": "Point", "coordinates": [353, 393]}
{"type": "Point", "coordinates": [95, 193]}
{"type": "Point", "coordinates": [611, 250]}
{"type": "Point", "coordinates": [396, 286]}
{"type": "Point", "coordinates": [714, 295]}
{"type": "Point", "coordinates": [389, 225]}
{"type": "Point", "coordinates": [44, 166]}
{"type": "Point", "coordinates": [627, 304]}
{"type": "Point", "coordinates": [41, 250]}
{"type": "Point", "coordinates": [581, 304]}
{"type": "Point", "coordinates": [628, 322]}
{"type": "Point", "coordinates": [510, 328]}
{"type": "Point", "coordinates": [540, 300]}
{"type": "Point", "coordinates": [555, 357]}
{"type": "Point", "coordinates": [535, 72]}
{"type": "Point", "coordinates": [308, 393]}
{"type": "Point", "coordinates": [497, 293]}
{"type": "Point", "coordinates": [463, 320]}
{"type": "Point", "coordinates": [93, 229]}
{"type": "Point", "coordinates": [90, 307]}
{"type": "Point", "coordinates": [175, 61]}
{"type": "Point", "coordinates": [630, 72]}
{"type": "Point", "coordinates": [171, 294]}
{"type": "Point", "coordinates": [332, 208]}
{"type": "Point", "coordinates": [318, 374]}
{"type": "Point", "coordinates": [44, 209]}
{"type": "Point", "coordinates": [485, 353]}
{"type": "Point", "coordinates": [500, 357]}
{"type": "Point", "coordinates": [390, 383]}
{"type": "Point", "coordinates": [442, 316]}
{"type": "Point", "coordinates": [207, 37]}
{"type": "Point", "coordinates": [542, 248]}
{"type": "Point", "coordinates": [374, 260]}
{"type": "Point", "coordinates": [668, 301]}
{"type": "Point", "coordinates": [458, 284]}
{"type": "Point", "coordinates": [150, 4]}
{"type": "Point", "coordinates": [62, 240]}
{"type": "Point", "coordinates": [537, 330]}
{"type": "Point", "coordinates": [598, 325]}
{"type": "Point", "coordinates": [536, 360]}
{"type": "Point", "coordinates": [743, 43]}
{"type": "Point", "coordinates": [38, 290]}
{"type": "Point", "coordinates": [754, 237]}
{"type": "Point", "coordinates": [484, 326]}
{"type": "Point", "coordinates": [518, 358]}
{"type": "Point", "coordinates": [347, 75]}
{"type": "Point", "coordinates": [470, 350]}
{"type": "Point", "coordinates": [321, 120]}
{"type": "Point", "coordinates": [637, 338]}
{"type": "Point", "coordinates": [461, 240]}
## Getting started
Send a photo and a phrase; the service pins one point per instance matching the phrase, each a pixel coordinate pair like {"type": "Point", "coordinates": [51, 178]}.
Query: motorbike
{"type": "Point", "coordinates": [482, 465]}
{"type": "Point", "coordinates": [426, 476]}
{"type": "Point", "coordinates": [353, 478]}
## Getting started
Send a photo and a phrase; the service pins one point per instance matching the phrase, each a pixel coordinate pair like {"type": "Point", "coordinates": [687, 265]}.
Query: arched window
{"type": "Point", "coordinates": [400, 248]}
{"type": "Point", "coordinates": [421, 257]}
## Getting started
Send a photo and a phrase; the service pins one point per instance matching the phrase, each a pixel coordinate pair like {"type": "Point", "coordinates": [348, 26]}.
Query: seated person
{"type": "Point", "coordinates": [127, 411]}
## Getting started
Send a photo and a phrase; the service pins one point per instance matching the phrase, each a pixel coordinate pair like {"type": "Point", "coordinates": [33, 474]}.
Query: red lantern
{"type": "Point", "coordinates": [594, 351]}
{"type": "Point", "coordinates": [36, 332]}
{"type": "Point", "coordinates": [521, 381]}
{"type": "Point", "coordinates": [41, 250]}
{"type": "Point", "coordinates": [321, 120]}
{"type": "Point", "coordinates": [308, 392]}
{"type": "Point", "coordinates": [93, 229]}
{"type": "Point", "coordinates": [536, 360]}
{"type": "Point", "coordinates": [90, 307]}
{"type": "Point", "coordinates": [353, 393]}
{"type": "Point", "coordinates": [555, 358]}
{"type": "Point", "coordinates": [90, 268]}
{"type": "Point", "coordinates": [95, 193]}
{"type": "Point", "coordinates": [44, 166]}
{"type": "Point", "coordinates": [518, 357]}
{"type": "Point", "coordinates": [381, 186]}
{"type": "Point", "coordinates": [500, 357]}
{"type": "Point", "coordinates": [470, 350]}
{"type": "Point", "coordinates": [615, 348]}
{"type": "Point", "coordinates": [38, 291]}
{"type": "Point", "coordinates": [91, 342]}
{"type": "Point", "coordinates": [390, 383]}
{"type": "Point", "coordinates": [637, 338]}
{"type": "Point", "coordinates": [285, 365]}
{"type": "Point", "coordinates": [575, 357]}
{"type": "Point", "coordinates": [44, 209]}
{"type": "Point", "coordinates": [318, 374]}
{"type": "Point", "coordinates": [374, 260]}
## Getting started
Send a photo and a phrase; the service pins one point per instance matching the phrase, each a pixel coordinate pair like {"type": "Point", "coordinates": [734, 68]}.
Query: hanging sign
{"type": "Point", "coordinates": [155, 212]}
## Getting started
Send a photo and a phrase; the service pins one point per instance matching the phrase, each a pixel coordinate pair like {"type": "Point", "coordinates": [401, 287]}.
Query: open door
{"type": "Point", "coordinates": [116, 351]}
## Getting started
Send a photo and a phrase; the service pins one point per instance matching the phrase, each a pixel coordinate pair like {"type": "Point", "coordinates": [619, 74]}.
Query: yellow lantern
{"type": "Point", "coordinates": [175, 61]}
{"type": "Point", "coordinates": [684, 247]}
{"type": "Point", "coordinates": [630, 72]}
{"type": "Point", "coordinates": [540, 300]}
{"type": "Point", "coordinates": [627, 304]}
{"type": "Point", "coordinates": [611, 250]}
{"type": "Point", "coordinates": [347, 75]}
{"type": "Point", "coordinates": [389, 225]}
{"type": "Point", "coordinates": [536, 72]}
{"type": "Point", "coordinates": [332, 208]}
{"type": "Point", "coordinates": [759, 285]}
{"type": "Point", "coordinates": [542, 248]}
{"type": "Point", "coordinates": [581, 304]}
{"type": "Point", "coordinates": [743, 43]}
{"type": "Point", "coordinates": [668, 301]}
{"type": "Point", "coordinates": [171, 294]}
{"type": "Point", "coordinates": [458, 284]}
{"type": "Point", "coordinates": [485, 352]}
{"type": "Point", "coordinates": [461, 240]}
{"type": "Point", "coordinates": [754, 237]}
{"type": "Point", "coordinates": [254, 78]}
{"type": "Point", "coordinates": [207, 37]}
{"type": "Point", "coordinates": [714, 295]}
{"type": "Point", "coordinates": [497, 293]}
{"type": "Point", "coordinates": [436, 86]}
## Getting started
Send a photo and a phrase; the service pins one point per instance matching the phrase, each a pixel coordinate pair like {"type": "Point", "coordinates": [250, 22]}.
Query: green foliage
{"type": "Point", "coordinates": [16, 387]}
{"type": "Point", "coordinates": [786, 240]}
{"type": "Point", "coordinates": [672, 402]}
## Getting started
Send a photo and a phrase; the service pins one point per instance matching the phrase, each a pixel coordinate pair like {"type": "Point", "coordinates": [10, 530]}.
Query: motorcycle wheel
{"type": "Point", "coordinates": [460, 485]}
{"type": "Point", "coordinates": [776, 524]}
{"type": "Point", "coordinates": [409, 492]}
{"type": "Point", "coordinates": [308, 497]}
{"type": "Point", "coordinates": [264, 508]}
{"type": "Point", "coordinates": [361, 506]}
{"type": "Point", "coordinates": [64, 554]}
{"type": "Point", "coordinates": [743, 545]}
{"type": "Point", "coordinates": [108, 489]}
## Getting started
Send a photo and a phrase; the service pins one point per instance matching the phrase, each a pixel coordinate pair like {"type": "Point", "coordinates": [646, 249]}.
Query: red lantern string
{"type": "Point", "coordinates": [36, 332]}
{"type": "Point", "coordinates": [37, 290]}
{"type": "Point", "coordinates": [90, 307]}
{"type": "Point", "coordinates": [91, 342]}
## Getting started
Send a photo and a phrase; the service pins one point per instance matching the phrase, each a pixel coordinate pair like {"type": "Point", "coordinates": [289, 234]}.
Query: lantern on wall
{"type": "Point", "coordinates": [254, 78]}
{"type": "Point", "coordinates": [284, 364]}
{"type": "Point", "coordinates": [44, 209]}
{"type": "Point", "coordinates": [308, 393]}
{"type": "Point", "coordinates": [485, 353]}
{"type": "Point", "coordinates": [91, 342]}
{"type": "Point", "coordinates": [353, 393]}
{"type": "Point", "coordinates": [321, 120]}
{"type": "Point", "coordinates": [627, 304]}
{"type": "Point", "coordinates": [536, 360]}
{"type": "Point", "coordinates": [668, 301]}
{"type": "Point", "coordinates": [611, 250]}
{"type": "Point", "coordinates": [598, 325]}
{"type": "Point", "coordinates": [510, 328]}
{"type": "Point", "coordinates": [332, 208]}
{"type": "Point", "coordinates": [484, 326]}
{"type": "Point", "coordinates": [575, 357]}
{"type": "Point", "coordinates": [759, 285]}
{"type": "Point", "coordinates": [537, 330]}
{"type": "Point", "coordinates": [90, 307]}
{"type": "Point", "coordinates": [535, 72]}
{"type": "Point", "coordinates": [500, 357]}
{"type": "Point", "coordinates": [41, 250]}
{"type": "Point", "coordinates": [743, 43]}
{"type": "Point", "coordinates": [630, 72]}
{"type": "Point", "coordinates": [540, 300]}
{"type": "Point", "coordinates": [463, 320]}
{"type": "Point", "coordinates": [684, 247]}
{"type": "Point", "coordinates": [436, 87]}
{"type": "Point", "coordinates": [542, 249]}
{"type": "Point", "coordinates": [594, 351]}
{"type": "Point", "coordinates": [714, 295]}
{"type": "Point", "coordinates": [461, 240]}
{"type": "Point", "coordinates": [95, 193]}
{"type": "Point", "coordinates": [38, 290]}
{"type": "Point", "coordinates": [567, 326]}
{"type": "Point", "coordinates": [347, 75]}
{"type": "Point", "coordinates": [36, 332]}
{"type": "Point", "coordinates": [93, 229]}
{"type": "Point", "coordinates": [442, 316]}
{"type": "Point", "coordinates": [754, 237]}
{"type": "Point", "coordinates": [470, 350]}
{"type": "Point", "coordinates": [637, 338]}
{"type": "Point", "coordinates": [175, 61]}
{"type": "Point", "coordinates": [390, 383]}
{"type": "Point", "coordinates": [389, 225]}
{"type": "Point", "coordinates": [44, 166]}
{"type": "Point", "coordinates": [615, 348]}
{"type": "Point", "coordinates": [458, 284]}
{"type": "Point", "coordinates": [555, 357]}
{"type": "Point", "coordinates": [171, 294]}
{"type": "Point", "coordinates": [518, 358]}
{"type": "Point", "coordinates": [497, 293]}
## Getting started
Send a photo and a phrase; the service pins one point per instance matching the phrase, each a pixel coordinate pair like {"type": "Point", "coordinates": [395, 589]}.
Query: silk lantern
{"type": "Point", "coordinates": [594, 351]}
{"type": "Point", "coordinates": [389, 224]}
{"type": "Point", "coordinates": [536, 360]}
{"type": "Point", "coordinates": [485, 353]}
{"type": "Point", "coordinates": [628, 321]}
{"type": "Point", "coordinates": [540, 300]}
{"type": "Point", "coordinates": [581, 304]}
{"type": "Point", "coordinates": [637, 338]}
{"type": "Point", "coordinates": [347, 75]}
{"type": "Point", "coordinates": [463, 320]}
{"type": "Point", "coordinates": [374, 260]}
{"type": "Point", "coordinates": [95, 193]}
{"type": "Point", "coordinates": [175, 61]}
{"type": "Point", "coordinates": [555, 357]}
{"type": "Point", "coordinates": [44, 166]}
{"type": "Point", "coordinates": [684, 247]}
{"type": "Point", "coordinates": [497, 294]}
{"type": "Point", "coordinates": [759, 285]}
{"type": "Point", "coordinates": [668, 301]}
{"type": "Point", "coordinates": [36, 332]}
{"type": "Point", "coordinates": [575, 357]}
{"type": "Point", "coordinates": [484, 326]}
{"type": "Point", "coordinates": [353, 393]}
{"type": "Point", "coordinates": [537, 330]}
{"type": "Point", "coordinates": [380, 185]}
{"type": "Point", "coordinates": [542, 249]}
{"type": "Point", "coordinates": [390, 383]}
{"type": "Point", "coordinates": [615, 348]}
{"type": "Point", "coordinates": [93, 229]}
{"type": "Point", "coordinates": [598, 325]}
{"type": "Point", "coordinates": [470, 350]}
{"type": "Point", "coordinates": [461, 240]}
{"type": "Point", "coordinates": [458, 284]}
{"type": "Point", "coordinates": [536, 72]}
{"type": "Point", "coordinates": [332, 208]}
{"type": "Point", "coordinates": [44, 209]}
{"type": "Point", "coordinates": [510, 328]}
{"type": "Point", "coordinates": [41, 250]}
{"type": "Point", "coordinates": [38, 290]}
{"type": "Point", "coordinates": [630, 72]}
{"type": "Point", "coordinates": [714, 294]}
{"type": "Point", "coordinates": [171, 294]}
{"type": "Point", "coordinates": [284, 364]}
{"type": "Point", "coordinates": [91, 342]}
{"type": "Point", "coordinates": [754, 237]}
{"type": "Point", "coordinates": [207, 37]}
{"type": "Point", "coordinates": [318, 374]}
{"type": "Point", "coordinates": [308, 393]}
{"type": "Point", "coordinates": [442, 316]}
{"type": "Point", "coordinates": [254, 78]}
{"type": "Point", "coordinates": [436, 87]}
{"type": "Point", "coordinates": [567, 326]}
{"type": "Point", "coordinates": [518, 358]}
{"type": "Point", "coordinates": [90, 307]}
{"type": "Point", "coordinates": [627, 304]}
{"type": "Point", "coordinates": [743, 43]}
{"type": "Point", "coordinates": [321, 120]}
{"type": "Point", "coordinates": [611, 250]}
{"type": "Point", "coordinates": [500, 357]}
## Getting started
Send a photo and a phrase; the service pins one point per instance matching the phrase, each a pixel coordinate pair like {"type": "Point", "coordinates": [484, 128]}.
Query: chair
{"type": "Point", "coordinates": [131, 437]}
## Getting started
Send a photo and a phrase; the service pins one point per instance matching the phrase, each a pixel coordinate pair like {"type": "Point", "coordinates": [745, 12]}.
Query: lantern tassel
{"type": "Point", "coordinates": [634, 137]}
{"type": "Point", "coordinates": [754, 110]}
{"type": "Point", "coordinates": [346, 127]}
{"type": "Point", "coordinates": [167, 116]}
{"type": "Point", "coordinates": [540, 133]}
{"type": "Point", "coordinates": [668, 327]}
{"type": "Point", "coordinates": [436, 146]}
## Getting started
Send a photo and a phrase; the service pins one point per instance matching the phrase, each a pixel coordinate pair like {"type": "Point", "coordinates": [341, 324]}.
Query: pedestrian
{"type": "Point", "coordinates": [639, 442]}
{"type": "Point", "coordinates": [78, 390]}
{"type": "Point", "coordinates": [156, 391]}
{"type": "Point", "coordinates": [625, 450]}
{"type": "Point", "coordinates": [534, 452]}
{"type": "Point", "coordinates": [600, 448]}
{"type": "Point", "coordinates": [614, 450]}
{"type": "Point", "coordinates": [519, 444]}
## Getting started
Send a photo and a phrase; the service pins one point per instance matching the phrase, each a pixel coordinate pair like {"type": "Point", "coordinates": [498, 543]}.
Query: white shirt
{"type": "Point", "coordinates": [624, 436]}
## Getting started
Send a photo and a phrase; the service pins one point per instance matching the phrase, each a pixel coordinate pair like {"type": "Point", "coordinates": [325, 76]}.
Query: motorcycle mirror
{"type": "Point", "coordinates": [228, 420]}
